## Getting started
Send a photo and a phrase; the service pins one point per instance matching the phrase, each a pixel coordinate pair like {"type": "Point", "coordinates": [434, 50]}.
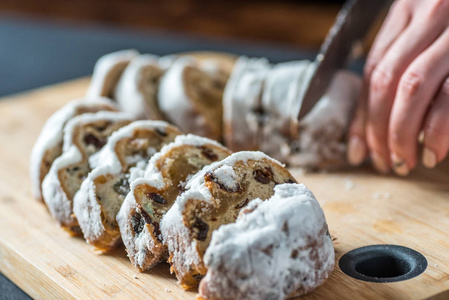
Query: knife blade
{"type": "Point", "coordinates": [352, 24]}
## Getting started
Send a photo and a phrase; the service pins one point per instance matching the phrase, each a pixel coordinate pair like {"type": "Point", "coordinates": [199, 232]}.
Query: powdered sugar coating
{"type": "Point", "coordinates": [278, 248]}
{"type": "Point", "coordinates": [51, 135]}
{"type": "Point", "coordinates": [241, 101]}
{"type": "Point", "coordinates": [103, 70]}
{"type": "Point", "coordinates": [60, 206]}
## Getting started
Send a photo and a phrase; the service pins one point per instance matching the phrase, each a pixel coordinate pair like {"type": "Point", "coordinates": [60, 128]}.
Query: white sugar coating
{"type": "Point", "coordinates": [103, 67]}
{"type": "Point", "coordinates": [322, 130]}
{"type": "Point", "coordinates": [52, 134]}
{"type": "Point", "coordinates": [276, 249]}
{"type": "Point", "coordinates": [241, 98]}
{"type": "Point", "coordinates": [227, 176]}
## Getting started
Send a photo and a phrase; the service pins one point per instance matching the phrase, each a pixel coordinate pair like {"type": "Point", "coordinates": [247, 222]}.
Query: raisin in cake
{"type": "Point", "coordinates": [190, 96]}
{"type": "Point", "coordinates": [214, 197]}
{"type": "Point", "coordinates": [98, 201]}
{"type": "Point", "coordinates": [136, 91]}
{"type": "Point", "coordinates": [241, 104]}
{"type": "Point", "coordinates": [84, 135]}
{"type": "Point", "coordinates": [319, 139]}
{"type": "Point", "coordinates": [277, 249]}
{"type": "Point", "coordinates": [107, 72]}
{"type": "Point", "coordinates": [49, 143]}
{"type": "Point", "coordinates": [153, 195]}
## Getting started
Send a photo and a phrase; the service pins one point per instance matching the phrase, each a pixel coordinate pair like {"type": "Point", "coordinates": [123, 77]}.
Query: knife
{"type": "Point", "coordinates": [352, 24]}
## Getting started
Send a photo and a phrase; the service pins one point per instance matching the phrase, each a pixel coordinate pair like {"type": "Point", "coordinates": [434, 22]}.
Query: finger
{"type": "Point", "coordinates": [383, 83]}
{"type": "Point", "coordinates": [396, 21]}
{"type": "Point", "coordinates": [436, 129]}
{"type": "Point", "coordinates": [417, 88]}
{"type": "Point", "coordinates": [357, 149]}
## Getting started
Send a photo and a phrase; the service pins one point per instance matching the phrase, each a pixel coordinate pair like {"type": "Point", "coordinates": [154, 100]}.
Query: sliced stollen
{"type": "Point", "coordinates": [190, 95]}
{"type": "Point", "coordinates": [241, 103]}
{"type": "Point", "coordinates": [136, 91]}
{"type": "Point", "coordinates": [107, 72]}
{"type": "Point", "coordinates": [214, 197]}
{"type": "Point", "coordinates": [101, 195]}
{"type": "Point", "coordinates": [153, 195]}
{"type": "Point", "coordinates": [84, 135]}
{"type": "Point", "coordinates": [277, 249]}
{"type": "Point", "coordinates": [319, 139]}
{"type": "Point", "coordinates": [49, 143]}
{"type": "Point", "coordinates": [280, 95]}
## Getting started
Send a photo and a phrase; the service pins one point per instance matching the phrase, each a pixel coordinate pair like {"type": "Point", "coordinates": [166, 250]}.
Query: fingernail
{"type": "Point", "coordinates": [399, 165]}
{"type": "Point", "coordinates": [429, 158]}
{"type": "Point", "coordinates": [356, 150]}
{"type": "Point", "coordinates": [379, 163]}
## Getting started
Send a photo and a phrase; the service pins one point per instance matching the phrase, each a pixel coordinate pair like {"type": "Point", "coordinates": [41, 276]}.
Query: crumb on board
{"type": "Point", "coordinates": [135, 277]}
{"type": "Point", "coordinates": [436, 266]}
{"type": "Point", "coordinates": [379, 195]}
{"type": "Point", "coordinates": [167, 290]}
{"type": "Point", "coordinates": [349, 184]}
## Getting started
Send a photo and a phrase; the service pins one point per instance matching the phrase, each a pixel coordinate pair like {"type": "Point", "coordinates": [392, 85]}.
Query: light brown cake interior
{"type": "Point", "coordinates": [257, 179]}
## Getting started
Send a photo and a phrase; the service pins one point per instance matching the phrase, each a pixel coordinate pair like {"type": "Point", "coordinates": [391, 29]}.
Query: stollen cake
{"type": "Point", "coordinates": [214, 197]}
{"type": "Point", "coordinates": [49, 143]}
{"type": "Point", "coordinates": [277, 249]}
{"type": "Point", "coordinates": [242, 104]}
{"type": "Point", "coordinates": [98, 201]}
{"type": "Point", "coordinates": [107, 72]}
{"type": "Point", "coordinates": [137, 88]}
{"type": "Point", "coordinates": [190, 96]}
{"type": "Point", "coordinates": [84, 135]}
{"type": "Point", "coordinates": [153, 195]}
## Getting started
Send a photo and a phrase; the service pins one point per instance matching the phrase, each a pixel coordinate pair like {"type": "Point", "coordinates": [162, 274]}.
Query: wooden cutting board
{"type": "Point", "coordinates": [361, 207]}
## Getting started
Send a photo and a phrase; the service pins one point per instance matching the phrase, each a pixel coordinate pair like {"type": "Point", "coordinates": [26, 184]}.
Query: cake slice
{"type": "Point", "coordinates": [98, 201]}
{"type": "Point", "coordinates": [280, 95]}
{"type": "Point", "coordinates": [153, 195]}
{"type": "Point", "coordinates": [136, 91]}
{"type": "Point", "coordinates": [49, 143]}
{"type": "Point", "coordinates": [242, 104]}
{"type": "Point", "coordinates": [107, 72]}
{"type": "Point", "coordinates": [277, 249]}
{"type": "Point", "coordinates": [190, 96]}
{"type": "Point", "coordinates": [84, 135]}
{"type": "Point", "coordinates": [214, 197]}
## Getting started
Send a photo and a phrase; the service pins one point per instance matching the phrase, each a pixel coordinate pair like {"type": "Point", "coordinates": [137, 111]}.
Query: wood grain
{"type": "Point", "coordinates": [361, 207]}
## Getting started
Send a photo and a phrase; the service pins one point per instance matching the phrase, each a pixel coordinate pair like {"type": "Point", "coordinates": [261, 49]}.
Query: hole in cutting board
{"type": "Point", "coordinates": [383, 263]}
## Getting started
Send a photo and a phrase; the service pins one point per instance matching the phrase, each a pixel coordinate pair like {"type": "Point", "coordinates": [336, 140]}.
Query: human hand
{"type": "Point", "coordinates": [406, 90]}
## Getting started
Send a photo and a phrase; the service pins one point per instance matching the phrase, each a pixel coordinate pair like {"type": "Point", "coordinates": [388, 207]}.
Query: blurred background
{"type": "Point", "coordinates": [47, 41]}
